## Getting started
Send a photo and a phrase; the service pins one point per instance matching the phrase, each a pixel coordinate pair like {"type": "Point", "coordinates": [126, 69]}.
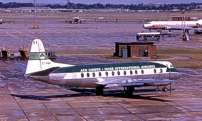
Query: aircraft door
{"type": "Point", "coordinates": [170, 76]}
{"type": "Point", "coordinates": [161, 75]}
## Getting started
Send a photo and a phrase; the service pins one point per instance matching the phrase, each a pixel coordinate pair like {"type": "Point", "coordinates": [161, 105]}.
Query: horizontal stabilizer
{"type": "Point", "coordinates": [44, 72]}
{"type": "Point", "coordinates": [21, 66]}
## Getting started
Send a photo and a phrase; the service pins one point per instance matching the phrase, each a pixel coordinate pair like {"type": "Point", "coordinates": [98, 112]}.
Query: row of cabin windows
{"type": "Point", "coordinates": [118, 73]}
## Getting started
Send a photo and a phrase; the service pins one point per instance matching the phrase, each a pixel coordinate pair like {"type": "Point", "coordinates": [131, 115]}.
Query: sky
{"type": "Point", "coordinates": [107, 1]}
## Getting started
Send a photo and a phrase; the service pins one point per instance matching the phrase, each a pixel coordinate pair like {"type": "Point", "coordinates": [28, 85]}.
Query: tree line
{"type": "Point", "coordinates": [182, 6]}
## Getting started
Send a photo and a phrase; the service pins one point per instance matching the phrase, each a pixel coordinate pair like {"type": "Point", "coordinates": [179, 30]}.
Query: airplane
{"type": "Point", "coordinates": [174, 25]}
{"type": "Point", "coordinates": [78, 19]}
{"type": "Point", "coordinates": [1, 21]}
{"type": "Point", "coordinates": [98, 76]}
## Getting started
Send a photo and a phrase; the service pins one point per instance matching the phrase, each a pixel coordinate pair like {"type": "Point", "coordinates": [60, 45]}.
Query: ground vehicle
{"type": "Point", "coordinates": [148, 36]}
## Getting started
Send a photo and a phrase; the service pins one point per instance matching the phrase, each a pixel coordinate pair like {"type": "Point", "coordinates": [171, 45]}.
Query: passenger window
{"type": "Point", "coordinates": [142, 71]}
{"type": "Point", "coordinates": [93, 74]}
{"type": "Point", "coordinates": [154, 70]}
{"type": "Point", "coordinates": [88, 75]}
{"type": "Point", "coordinates": [100, 74]}
{"type": "Point", "coordinates": [106, 73]}
{"type": "Point", "coordinates": [118, 73]}
{"type": "Point", "coordinates": [124, 72]}
{"type": "Point", "coordinates": [136, 72]}
{"type": "Point", "coordinates": [82, 75]}
{"type": "Point", "coordinates": [161, 70]}
{"type": "Point", "coordinates": [131, 72]}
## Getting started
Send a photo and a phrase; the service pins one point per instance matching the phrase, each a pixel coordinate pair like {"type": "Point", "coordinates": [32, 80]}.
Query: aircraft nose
{"type": "Point", "coordinates": [176, 76]}
{"type": "Point", "coordinates": [144, 25]}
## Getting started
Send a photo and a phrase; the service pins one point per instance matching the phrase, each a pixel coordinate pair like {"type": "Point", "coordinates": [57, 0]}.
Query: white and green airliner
{"type": "Point", "coordinates": [98, 76]}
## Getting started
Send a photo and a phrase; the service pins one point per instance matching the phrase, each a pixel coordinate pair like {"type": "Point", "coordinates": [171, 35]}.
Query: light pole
{"type": "Point", "coordinates": [36, 24]}
{"type": "Point", "coordinates": [34, 10]}
{"type": "Point", "coordinates": [67, 9]}
{"type": "Point", "coordinates": [183, 25]}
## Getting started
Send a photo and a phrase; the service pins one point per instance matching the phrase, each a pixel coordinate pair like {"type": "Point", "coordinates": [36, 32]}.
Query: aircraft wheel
{"type": "Point", "coordinates": [164, 89]}
{"type": "Point", "coordinates": [129, 91]}
{"type": "Point", "coordinates": [99, 90]}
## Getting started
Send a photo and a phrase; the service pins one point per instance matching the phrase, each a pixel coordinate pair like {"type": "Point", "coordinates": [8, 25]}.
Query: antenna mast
{"type": "Point", "coordinates": [34, 10]}
{"type": "Point", "coordinates": [36, 24]}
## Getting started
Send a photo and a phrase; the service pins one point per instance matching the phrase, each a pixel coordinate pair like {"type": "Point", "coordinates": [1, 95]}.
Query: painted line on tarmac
{"type": "Point", "coordinates": [30, 36]}
{"type": "Point", "coordinates": [25, 34]}
{"type": "Point", "coordinates": [51, 43]}
{"type": "Point", "coordinates": [16, 37]}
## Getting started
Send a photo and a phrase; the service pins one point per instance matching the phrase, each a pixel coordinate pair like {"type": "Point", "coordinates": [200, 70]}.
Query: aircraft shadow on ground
{"type": "Point", "coordinates": [91, 92]}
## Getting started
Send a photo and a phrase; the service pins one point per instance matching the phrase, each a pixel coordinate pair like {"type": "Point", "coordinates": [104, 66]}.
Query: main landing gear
{"type": "Point", "coordinates": [99, 90]}
{"type": "Point", "coordinates": [164, 89]}
{"type": "Point", "coordinates": [129, 91]}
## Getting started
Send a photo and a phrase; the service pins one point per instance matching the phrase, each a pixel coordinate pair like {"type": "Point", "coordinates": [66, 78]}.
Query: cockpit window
{"type": "Point", "coordinates": [171, 66]}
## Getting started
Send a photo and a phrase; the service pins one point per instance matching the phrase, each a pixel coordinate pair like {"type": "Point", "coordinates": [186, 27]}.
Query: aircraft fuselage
{"type": "Point", "coordinates": [174, 25]}
{"type": "Point", "coordinates": [90, 75]}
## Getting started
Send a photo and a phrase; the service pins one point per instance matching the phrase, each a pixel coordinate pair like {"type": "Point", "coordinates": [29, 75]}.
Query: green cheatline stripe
{"type": "Point", "coordinates": [38, 56]}
{"type": "Point", "coordinates": [109, 67]}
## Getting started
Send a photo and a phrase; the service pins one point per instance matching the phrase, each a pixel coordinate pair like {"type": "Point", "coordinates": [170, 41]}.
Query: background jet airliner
{"type": "Point", "coordinates": [1, 21]}
{"type": "Point", "coordinates": [174, 25]}
{"type": "Point", "coordinates": [98, 76]}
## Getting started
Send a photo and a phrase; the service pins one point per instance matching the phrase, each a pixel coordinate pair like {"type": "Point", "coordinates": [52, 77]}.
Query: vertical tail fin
{"type": "Point", "coordinates": [38, 60]}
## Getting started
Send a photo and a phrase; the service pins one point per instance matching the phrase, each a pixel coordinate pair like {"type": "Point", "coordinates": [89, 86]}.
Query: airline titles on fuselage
{"type": "Point", "coordinates": [117, 68]}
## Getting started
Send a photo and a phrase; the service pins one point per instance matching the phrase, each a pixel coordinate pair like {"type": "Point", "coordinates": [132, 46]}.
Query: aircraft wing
{"type": "Point", "coordinates": [113, 80]}
{"type": "Point", "coordinates": [127, 82]}
{"type": "Point", "coordinates": [149, 82]}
